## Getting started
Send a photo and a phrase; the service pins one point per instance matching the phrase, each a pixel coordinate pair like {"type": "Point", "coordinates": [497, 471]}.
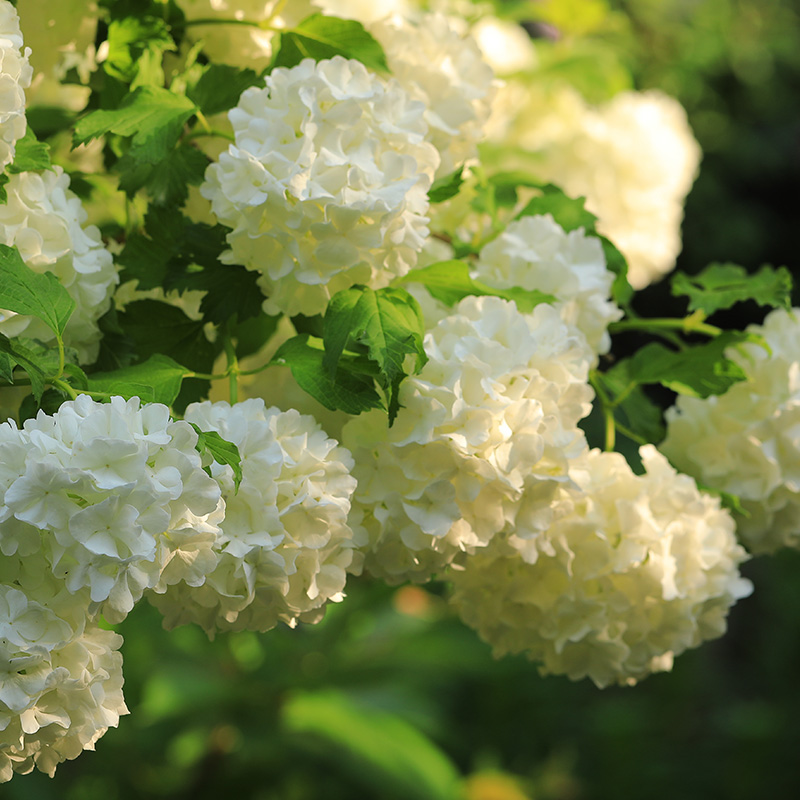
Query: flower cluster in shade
{"type": "Point", "coordinates": [15, 78]}
{"type": "Point", "coordinates": [491, 417]}
{"type": "Point", "coordinates": [98, 502]}
{"type": "Point", "coordinates": [634, 158]}
{"type": "Point", "coordinates": [632, 571]}
{"type": "Point", "coordinates": [284, 546]}
{"type": "Point", "coordinates": [60, 674]}
{"type": "Point", "coordinates": [44, 219]}
{"type": "Point", "coordinates": [747, 441]}
{"type": "Point", "coordinates": [326, 184]}
{"type": "Point", "coordinates": [442, 67]}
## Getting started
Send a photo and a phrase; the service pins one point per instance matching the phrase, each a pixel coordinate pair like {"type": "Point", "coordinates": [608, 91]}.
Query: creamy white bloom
{"type": "Point", "coordinates": [326, 185]}
{"type": "Point", "coordinates": [631, 571]}
{"type": "Point", "coordinates": [634, 159]}
{"type": "Point", "coordinates": [45, 220]}
{"type": "Point", "coordinates": [242, 45]}
{"type": "Point", "coordinates": [492, 415]}
{"type": "Point", "coordinates": [61, 36]}
{"type": "Point", "coordinates": [55, 703]}
{"type": "Point", "coordinates": [285, 546]}
{"type": "Point", "coordinates": [366, 11]}
{"type": "Point", "coordinates": [747, 441]}
{"type": "Point", "coordinates": [536, 253]}
{"type": "Point", "coordinates": [506, 46]}
{"type": "Point", "coordinates": [442, 67]}
{"type": "Point", "coordinates": [113, 495]}
{"type": "Point", "coordinates": [15, 78]}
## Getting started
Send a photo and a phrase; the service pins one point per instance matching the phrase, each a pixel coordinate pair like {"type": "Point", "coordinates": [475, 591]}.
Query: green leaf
{"type": "Point", "coordinates": [388, 322]}
{"type": "Point", "coordinates": [450, 281]}
{"type": "Point", "coordinates": [6, 367]}
{"type": "Point", "coordinates": [167, 182]}
{"type": "Point", "coordinates": [381, 750]}
{"type": "Point", "coordinates": [36, 365]}
{"type": "Point", "coordinates": [446, 187]}
{"type": "Point", "coordinates": [220, 86]}
{"type": "Point", "coordinates": [621, 290]}
{"type": "Point", "coordinates": [507, 184]}
{"type": "Point", "coordinates": [153, 116]}
{"type": "Point", "coordinates": [568, 212]}
{"type": "Point", "coordinates": [221, 450]}
{"type": "Point", "coordinates": [635, 410]}
{"type": "Point", "coordinates": [721, 286]}
{"type": "Point", "coordinates": [30, 154]}
{"type": "Point", "coordinates": [136, 44]}
{"type": "Point", "coordinates": [698, 371]}
{"type": "Point", "coordinates": [28, 292]}
{"type": "Point", "coordinates": [320, 37]}
{"type": "Point", "coordinates": [349, 392]}
{"type": "Point", "coordinates": [156, 380]}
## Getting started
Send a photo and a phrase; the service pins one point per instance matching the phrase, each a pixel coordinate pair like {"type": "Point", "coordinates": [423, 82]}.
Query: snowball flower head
{"type": "Point", "coordinates": [636, 570]}
{"type": "Point", "coordinates": [536, 253]}
{"type": "Point", "coordinates": [441, 66]}
{"type": "Point", "coordinates": [15, 77]}
{"type": "Point", "coordinates": [60, 685]}
{"type": "Point", "coordinates": [326, 185]}
{"type": "Point", "coordinates": [747, 441]}
{"type": "Point", "coordinates": [113, 495]}
{"type": "Point", "coordinates": [284, 545]}
{"type": "Point", "coordinates": [242, 45]}
{"type": "Point", "coordinates": [492, 415]}
{"type": "Point", "coordinates": [44, 219]}
{"type": "Point", "coordinates": [633, 158]}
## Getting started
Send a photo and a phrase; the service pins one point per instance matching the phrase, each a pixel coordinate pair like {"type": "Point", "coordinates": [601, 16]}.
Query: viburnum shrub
{"type": "Point", "coordinates": [198, 195]}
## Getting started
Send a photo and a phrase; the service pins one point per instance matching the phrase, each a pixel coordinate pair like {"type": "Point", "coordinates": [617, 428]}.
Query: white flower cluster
{"type": "Point", "coordinates": [632, 571]}
{"type": "Point", "coordinates": [97, 503]}
{"type": "Point", "coordinates": [44, 219]}
{"type": "Point", "coordinates": [326, 185]}
{"type": "Point", "coordinates": [113, 495]}
{"type": "Point", "coordinates": [442, 67]}
{"type": "Point", "coordinates": [634, 159]}
{"type": "Point", "coordinates": [491, 417]}
{"type": "Point", "coordinates": [747, 441]}
{"type": "Point", "coordinates": [15, 77]}
{"type": "Point", "coordinates": [536, 253]}
{"type": "Point", "coordinates": [60, 676]}
{"type": "Point", "coordinates": [284, 547]}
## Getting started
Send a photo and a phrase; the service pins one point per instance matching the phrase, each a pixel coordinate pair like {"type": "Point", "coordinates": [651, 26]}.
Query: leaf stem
{"type": "Point", "coordinates": [65, 387]}
{"type": "Point", "coordinates": [691, 324]}
{"type": "Point", "coordinates": [210, 132]}
{"type": "Point", "coordinates": [220, 21]}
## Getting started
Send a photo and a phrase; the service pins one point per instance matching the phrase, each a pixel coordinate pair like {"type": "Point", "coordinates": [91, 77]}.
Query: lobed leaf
{"type": "Point", "coordinates": [156, 380]}
{"type": "Point", "coordinates": [320, 37]}
{"type": "Point", "coordinates": [721, 286]}
{"type": "Point", "coordinates": [222, 451]}
{"type": "Point", "coordinates": [349, 392]}
{"type": "Point", "coordinates": [30, 154]}
{"type": "Point", "coordinates": [450, 281]}
{"type": "Point", "coordinates": [152, 116]}
{"type": "Point", "coordinates": [27, 292]}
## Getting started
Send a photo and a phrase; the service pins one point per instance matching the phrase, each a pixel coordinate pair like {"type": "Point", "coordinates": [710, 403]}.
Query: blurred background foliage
{"type": "Point", "coordinates": [391, 696]}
